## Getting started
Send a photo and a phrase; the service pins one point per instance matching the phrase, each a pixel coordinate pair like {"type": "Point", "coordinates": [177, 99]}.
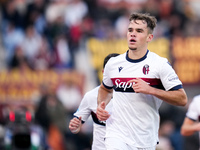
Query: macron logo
{"type": "Point", "coordinates": [120, 68]}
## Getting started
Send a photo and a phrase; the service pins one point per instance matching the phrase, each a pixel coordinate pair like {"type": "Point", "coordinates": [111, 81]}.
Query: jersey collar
{"type": "Point", "coordinates": [136, 60]}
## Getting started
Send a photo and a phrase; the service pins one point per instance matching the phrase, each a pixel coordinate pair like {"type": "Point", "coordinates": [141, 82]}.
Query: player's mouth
{"type": "Point", "coordinates": [132, 41]}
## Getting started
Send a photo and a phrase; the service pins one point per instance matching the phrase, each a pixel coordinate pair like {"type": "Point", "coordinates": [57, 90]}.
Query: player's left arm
{"type": "Point", "coordinates": [189, 127]}
{"type": "Point", "coordinates": [175, 97]}
{"type": "Point", "coordinates": [191, 122]}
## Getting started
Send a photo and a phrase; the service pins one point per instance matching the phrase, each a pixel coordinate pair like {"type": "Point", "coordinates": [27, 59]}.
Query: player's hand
{"type": "Point", "coordinates": [140, 86]}
{"type": "Point", "coordinates": [75, 125]}
{"type": "Point", "coordinates": [102, 114]}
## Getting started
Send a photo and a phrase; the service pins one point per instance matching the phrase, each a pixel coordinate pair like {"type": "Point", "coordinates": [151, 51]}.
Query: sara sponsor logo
{"type": "Point", "coordinates": [122, 85]}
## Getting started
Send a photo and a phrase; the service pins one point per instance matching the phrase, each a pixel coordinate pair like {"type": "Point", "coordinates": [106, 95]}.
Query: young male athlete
{"type": "Point", "coordinates": [88, 107]}
{"type": "Point", "coordinates": [191, 122]}
{"type": "Point", "coordinates": [141, 81]}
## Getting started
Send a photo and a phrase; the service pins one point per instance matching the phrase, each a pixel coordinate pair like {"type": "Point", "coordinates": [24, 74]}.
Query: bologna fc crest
{"type": "Point", "coordinates": [146, 69]}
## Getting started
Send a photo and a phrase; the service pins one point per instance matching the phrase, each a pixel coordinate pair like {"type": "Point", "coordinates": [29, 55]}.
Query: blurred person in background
{"type": "Point", "coordinates": [57, 128]}
{"type": "Point", "coordinates": [36, 14]}
{"type": "Point", "coordinates": [121, 24]}
{"type": "Point", "coordinates": [173, 124]}
{"type": "Point", "coordinates": [14, 11]}
{"type": "Point", "coordinates": [88, 107]}
{"type": "Point", "coordinates": [141, 81]}
{"type": "Point", "coordinates": [19, 60]}
{"type": "Point", "coordinates": [62, 53]}
{"type": "Point", "coordinates": [166, 129]}
{"type": "Point", "coordinates": [191, 123]}
{"type": "Point", "coordinates": [44, 59]}
{"type": "Point", "coordinates": [31, 43]}
{"type": "Point", "coordinates": [50, 114]}
{"type": "Point", "coordinates": [13, 37]}
{"type": "Point", "coordinates": [70, 95]}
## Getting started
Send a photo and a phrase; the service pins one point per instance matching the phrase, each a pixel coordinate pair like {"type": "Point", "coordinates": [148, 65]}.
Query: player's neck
{"type": "Point", "coordinates": [136, 54]}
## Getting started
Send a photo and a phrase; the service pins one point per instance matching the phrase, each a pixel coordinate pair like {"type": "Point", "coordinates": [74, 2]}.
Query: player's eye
{"type": "Point", "coordinates": [130, 30]}
{"type": "Point", "coordinates": [139, 31]}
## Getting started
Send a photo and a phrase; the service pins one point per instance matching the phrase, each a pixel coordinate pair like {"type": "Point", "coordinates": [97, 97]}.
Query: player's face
{"type": "Point", "coordinates": [138, 35]}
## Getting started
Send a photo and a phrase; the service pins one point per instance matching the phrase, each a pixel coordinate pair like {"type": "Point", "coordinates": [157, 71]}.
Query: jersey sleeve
{"type": "Point", "coordinates": [169, 77]}
{"type": "Point", "coordinates": [107, 82]}
{"type": "Point", "coordinates": [83, 109]}
{"type": "Point", "coordinates": [192, 112]}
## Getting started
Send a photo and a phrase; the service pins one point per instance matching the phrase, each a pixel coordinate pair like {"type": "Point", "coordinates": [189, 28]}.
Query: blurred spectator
{"type": "Point", "coordinates": [19, 60]}
{"type": "Point", "coordinates": [150, 6]}
{"type": "Point", "coordinates": [51, 115]}
{"type": "Point", "coordinates": [55, 9]}
{"type": "Point", "coordinates": [121, 24]}
{"type": "Point", "coordinates": [166, 129]}
{"type": "Point", "coordinates": [70, 95]}
{"type": "Point", "coordinates": [173, 122]}
{"type": "Point", "coordinates": [87, 27]}
{"type": "Point", "coordinates": [134, 4]}
{"type": "Point", "coordinates": [55, 24]}
{"type": "Point", "coordinates": [3, 114]}
{"type": "Point", "coordinates": [31, 43]}
{"type": "Point", "coordinates": [14, 11]}
{"type": "Point", "coordinates": [2, 124]}
{"type": "Point", "coordinates": [74, 14]}
{"type": "Point", "coordinates": [57, 127]}
{"type": "Point", "coordinates": [35, 14]}
{"type": "Point", "coordinates": [42, 117]}
{"type": "Point", "coordinates": [44, 59]}
{"type": "Point", "coordinates": [12, 37]}
{"type": "Point", "coordinates": [194, 7]}
{"type": "Point", "coordinates": [102, 28]}
{"type": "Point", "coordinates": [165, 8]}
{"type": "Point", "coordinates": [62, 53]}
{"type": "Point", "coordinates": [75, 11]}
{"type": "Point", "coordinates": [111, 4]}
{"type": "Point", "coordinates": [114, 6]}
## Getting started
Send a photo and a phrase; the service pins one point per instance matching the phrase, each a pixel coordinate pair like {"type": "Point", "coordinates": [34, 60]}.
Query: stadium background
{"type": "Point", "coordinates": [62, 43]}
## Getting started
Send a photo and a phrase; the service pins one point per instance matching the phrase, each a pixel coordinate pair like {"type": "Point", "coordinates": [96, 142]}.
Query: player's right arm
{"type": "Point", "coordinates": [104, 97]}
{"type": "Point", "coordinates": [75, 125]}
{"type": "Point", "coordinates": [81, 115]}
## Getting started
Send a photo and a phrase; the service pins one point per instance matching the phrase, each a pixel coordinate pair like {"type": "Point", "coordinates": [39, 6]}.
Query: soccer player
{"type": "Point", "coordinates": [141, 81]}
{"type": "Point", "coordinates": [88, 107]}
{"type": "Point", "coordinates": [191, 122]}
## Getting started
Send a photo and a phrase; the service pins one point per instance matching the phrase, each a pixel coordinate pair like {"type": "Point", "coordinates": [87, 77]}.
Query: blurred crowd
{"type": "Point", "coordinates": [49, 34]}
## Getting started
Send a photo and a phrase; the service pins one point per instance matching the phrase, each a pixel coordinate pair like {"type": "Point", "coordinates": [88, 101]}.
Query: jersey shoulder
{"type": "Point", "coordinates": [116, 58]}
{"type": "Point", "coordinates": [92, 93]}
{"type": "Point", "coordinates": [196, 100]}
{"type": "Point", "coordinates": [155, 56]}
{"type": "Point", "coordinates": [158, 60]}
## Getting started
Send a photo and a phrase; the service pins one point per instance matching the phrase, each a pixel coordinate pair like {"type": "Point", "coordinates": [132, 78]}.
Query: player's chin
{"type": "Point", "coordinates": [132, 48]}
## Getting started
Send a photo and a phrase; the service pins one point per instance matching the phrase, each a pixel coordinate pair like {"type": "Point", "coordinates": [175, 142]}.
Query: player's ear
{"type": "Point", "coordinates": [150, 37]}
